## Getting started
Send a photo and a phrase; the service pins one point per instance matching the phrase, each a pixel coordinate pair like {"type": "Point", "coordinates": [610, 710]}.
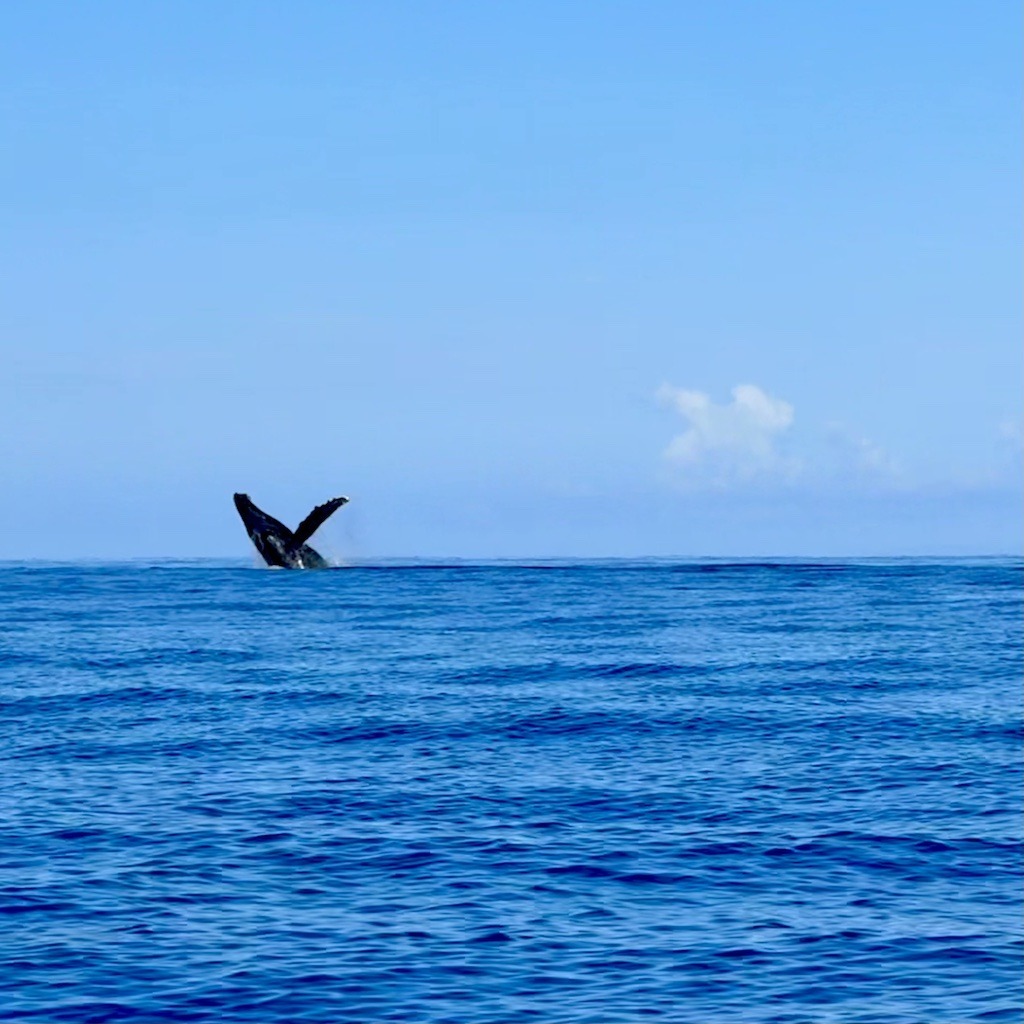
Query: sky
{"type": "Point", "coordinates": [525, 280]}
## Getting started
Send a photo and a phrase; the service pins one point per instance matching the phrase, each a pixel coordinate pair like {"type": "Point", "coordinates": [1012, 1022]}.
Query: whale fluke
{"type": "Point", "coordinates": [276, 543]}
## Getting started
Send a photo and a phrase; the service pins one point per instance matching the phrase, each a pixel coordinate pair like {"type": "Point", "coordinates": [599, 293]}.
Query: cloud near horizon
{"type": "Point", "coordinates": [746, 442]}
{"type": "Point", "coordinates": [731, 443]}
{"type": "Point", "coordinates": [853, 453]}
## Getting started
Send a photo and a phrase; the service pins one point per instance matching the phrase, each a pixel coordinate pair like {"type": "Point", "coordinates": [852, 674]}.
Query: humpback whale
{"type": "Point", "coordinates": [276, 543]}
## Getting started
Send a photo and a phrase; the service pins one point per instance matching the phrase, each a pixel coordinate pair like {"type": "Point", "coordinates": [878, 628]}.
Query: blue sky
{"type": "Point", "coordinates": [523, 280]}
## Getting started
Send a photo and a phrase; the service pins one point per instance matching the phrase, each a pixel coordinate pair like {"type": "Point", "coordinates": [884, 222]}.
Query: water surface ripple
{"type": "Point", "coordinates": [700, 792]}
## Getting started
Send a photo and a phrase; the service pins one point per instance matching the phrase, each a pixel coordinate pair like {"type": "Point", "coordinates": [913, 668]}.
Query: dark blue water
{"type": "Point", "coordinates": [598, 792]}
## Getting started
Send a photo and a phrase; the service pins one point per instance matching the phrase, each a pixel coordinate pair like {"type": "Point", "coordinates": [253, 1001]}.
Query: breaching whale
{"type": "Point", "coordinates": [276, 543]}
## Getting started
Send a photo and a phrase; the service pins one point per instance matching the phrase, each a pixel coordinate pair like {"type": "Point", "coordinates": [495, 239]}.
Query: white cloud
{"type": "Point", "coordinates": [853, 452]}
{"type": "Point", "coordinates": [731, 443]}
{"type": "Point", "coordinates": [749, 441]}
{"type": "Point", "coordinates": [1012, 431]}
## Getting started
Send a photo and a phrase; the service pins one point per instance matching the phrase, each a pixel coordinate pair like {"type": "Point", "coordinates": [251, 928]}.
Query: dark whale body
{"type": "Point", "coordinates": [276, 543]}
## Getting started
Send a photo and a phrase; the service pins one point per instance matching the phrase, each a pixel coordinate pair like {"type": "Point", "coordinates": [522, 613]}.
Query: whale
{"type": "Point", "coordinates": [278, 545]}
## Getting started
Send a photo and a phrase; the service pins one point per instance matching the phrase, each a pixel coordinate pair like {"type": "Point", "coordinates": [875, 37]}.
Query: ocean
{"type": "Point", "coordinates": [562, 792]}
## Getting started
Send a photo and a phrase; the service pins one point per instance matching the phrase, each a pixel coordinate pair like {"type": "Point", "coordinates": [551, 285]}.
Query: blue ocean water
{"type": "Point", "coordinates": [700, 792]}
